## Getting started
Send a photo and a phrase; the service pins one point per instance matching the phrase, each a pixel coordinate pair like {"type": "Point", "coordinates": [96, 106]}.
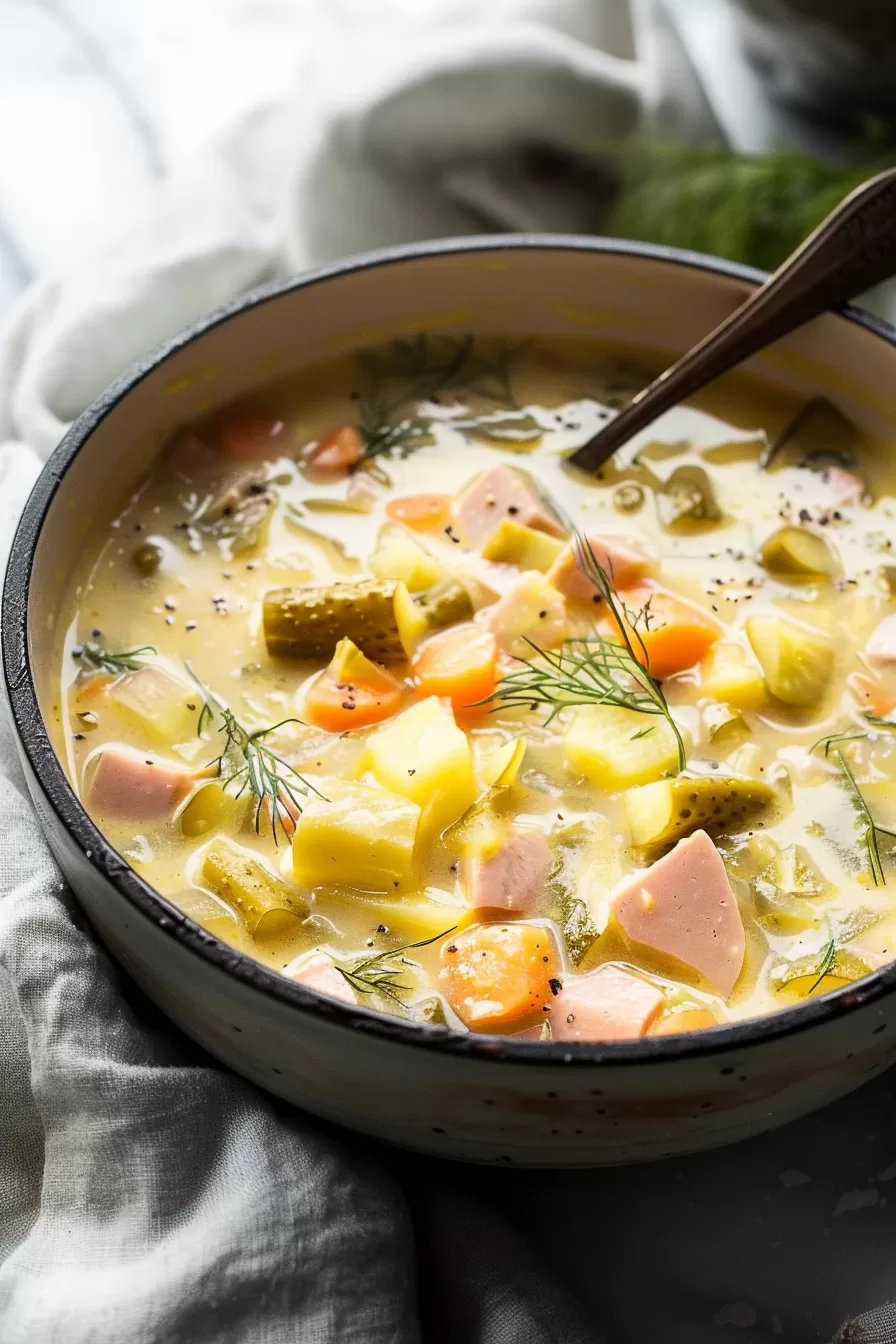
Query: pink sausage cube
{"type": "Point", "coordinates": [499, 493]}
{"type": "Point", "coordinates": [682, 906]}
{"type": "Point", "coordinates": [319, 973]}
{"type": "Point", "coordinates": [513, 878]}
{"type": "Point", "coordinates": [139, 788]}
{"type": "Point", "coordinates": [610, 1004]}
{"type": "Point", "coordinates": [622, 564]}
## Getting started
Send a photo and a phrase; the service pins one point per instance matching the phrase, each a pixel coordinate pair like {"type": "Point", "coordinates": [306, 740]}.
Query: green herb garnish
{"type": "Point", "coordinates": [872, 831]}
{"type": "Point", "coordinates": [592, 670]}
{"type": "Point", "coordinates": [379, 974]}
{"type": "Point", "coordinates": [247, 762]}
{"type": "Point", "coordinates": [95, 657]}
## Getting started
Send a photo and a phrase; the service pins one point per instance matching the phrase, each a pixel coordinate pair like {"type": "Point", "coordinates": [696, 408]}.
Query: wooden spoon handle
{"type": "Point", "coordinates": [850, 251]}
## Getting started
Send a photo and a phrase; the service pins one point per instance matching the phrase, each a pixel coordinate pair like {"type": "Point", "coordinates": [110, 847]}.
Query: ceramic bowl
{"type": "Point", "coordinates": [478, 1098]}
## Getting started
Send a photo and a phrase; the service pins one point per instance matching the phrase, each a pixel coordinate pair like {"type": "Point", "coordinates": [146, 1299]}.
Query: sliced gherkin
{"type": "Point", "coordinates": [266, 905]}
{"type": "Point", "coordinates": [669, 809]}
{"type": "Point", "coordinates": [447, 603]}
{"type": "Point", "coordinates": [687, 499]}
{"type": "Point", "coordinates": [309, 622]}
{"type": "Point", "coordinates": [793, 872]}
{"type": "Point", "coordinates": [797, 662]}
{"type": "Point", "coordinates": [797, 553]}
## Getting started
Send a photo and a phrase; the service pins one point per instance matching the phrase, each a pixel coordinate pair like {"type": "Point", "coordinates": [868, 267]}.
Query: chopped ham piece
{"type": "Point", "coordinates": [233, 494]}
{"type": "Point", "coordinates": [881, 647]}
{"type": "Point", "coordinates": [319, 973]}
{"type": "Point", "coordinates": [610, 1004]}
{"type": "Point", "coordinates": [248, 435]}
{"type": "Point", "coordinates": [499, 493]}
{"type": "Point", "coordinates": [622, 564]}
{"type": "Point", "coordinates": [682, 906]}
{"type": "Point", "coordinates": [513, 877]}
{"type": "Point", "coordinates": [335, 454]}
{"type": "Point", "coordinates": [141, 788]}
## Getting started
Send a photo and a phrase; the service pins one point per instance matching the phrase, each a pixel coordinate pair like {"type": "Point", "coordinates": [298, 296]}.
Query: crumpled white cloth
{"type": "Point", "coordinates": [147, 1196]}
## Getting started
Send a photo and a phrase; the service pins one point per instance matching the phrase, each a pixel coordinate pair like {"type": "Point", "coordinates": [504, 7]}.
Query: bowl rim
{"type": "Point", "coordinates": [35, 744]}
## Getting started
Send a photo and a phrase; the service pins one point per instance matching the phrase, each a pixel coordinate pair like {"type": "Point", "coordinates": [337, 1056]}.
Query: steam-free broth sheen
{"type": "Point", "coordinates": [379, 691]}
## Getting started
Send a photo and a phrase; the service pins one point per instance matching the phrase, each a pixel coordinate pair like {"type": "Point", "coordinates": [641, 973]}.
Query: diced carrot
{"type": "Point", "coordinates": [352, 692]}
{"type": "Point", "coordinates": [670, 636]}
{"type": "Point", "coordinates": [687, 1019]}
{"type": "Point", "coordinates": [419, 511]}
{"type": "Point", "coordinates": [336, 453]}
{"type": "Point", "coordinates": [92, 688]}
{"type": "Point", "coordinates": [872, 696]}
{"type": "Point", "coordinates": [459, 663]}
{"type": "Point", "coordinates": [500, 977]}
{"type": "Point", "coordinates": [247, 434]}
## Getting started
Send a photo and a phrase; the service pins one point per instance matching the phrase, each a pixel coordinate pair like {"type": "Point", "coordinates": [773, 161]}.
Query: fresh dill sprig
{"type": "Point", "coordinates": [246, 760]}
{"type": "Point", "coordinates": [416, 370]}
{"type": "Point", "coordinates": [872, 831]}
{"type": "Point", "coordinates": [826, 961]}
{"type": "Point", "coordinates": [835, 739]}
{"type": "Point", "coordinates": [593, 670]}
{"type": "Point", "coordinates": [95, 657]}
{"type": "Point", "coordinates": [378, 974]}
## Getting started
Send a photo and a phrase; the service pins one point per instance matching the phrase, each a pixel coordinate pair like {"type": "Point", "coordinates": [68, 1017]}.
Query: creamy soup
{"type": "Point", "coordinates": [377, 689]}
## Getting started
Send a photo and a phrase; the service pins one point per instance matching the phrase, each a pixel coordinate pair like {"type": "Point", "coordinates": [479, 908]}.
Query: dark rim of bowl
{"type": "Point", "coordinates": [108, 864]}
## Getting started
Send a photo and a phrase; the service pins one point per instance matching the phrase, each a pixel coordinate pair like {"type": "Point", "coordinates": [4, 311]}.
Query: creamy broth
{"type": "Point", "coordinates": [472, 863]}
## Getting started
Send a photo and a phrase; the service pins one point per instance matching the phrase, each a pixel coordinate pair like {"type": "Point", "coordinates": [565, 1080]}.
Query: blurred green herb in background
{"type": "Point", "coordinates": [752, 208]}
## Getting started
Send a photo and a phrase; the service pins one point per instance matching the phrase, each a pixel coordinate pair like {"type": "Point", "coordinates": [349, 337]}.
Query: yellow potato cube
{"type": "Point", "coordinates": [356, 835]}
{"type": "Point", "coordinates": [423, 755]}
{"type": "Point", "coordinates": [513, 543]}
{"type": "Point", "coordinates": [617, 748]}
{"type": "Point", "coordinates": [158, 704]}
{"type": "Point", "coordinates": [727, 675]}
{"type": "Point", "coordinates": [399, 556]}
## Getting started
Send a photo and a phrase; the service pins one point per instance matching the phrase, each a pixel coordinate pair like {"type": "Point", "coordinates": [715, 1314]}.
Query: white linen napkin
{"type": "Point", "coordinates": [146, 1195]}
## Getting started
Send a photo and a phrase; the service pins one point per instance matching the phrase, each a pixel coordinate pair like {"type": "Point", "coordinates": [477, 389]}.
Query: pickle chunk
{"type": "Point", "coordinates": [379, 616]}
{"type": "Point", "coordinates": [796, 662]}
{"type": "Point", "coordinates": [661, 813]}
{"type": "Point", "coordinates": [796, 553]}
{"type": "Point", "coordinates": [266, 905]}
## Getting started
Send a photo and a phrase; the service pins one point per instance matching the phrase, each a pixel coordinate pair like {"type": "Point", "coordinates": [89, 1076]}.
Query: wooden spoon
{"type": "Point", "coordinates": [850, 251]}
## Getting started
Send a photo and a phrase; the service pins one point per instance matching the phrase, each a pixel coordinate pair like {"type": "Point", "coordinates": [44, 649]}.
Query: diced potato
{"type": "Point", "coordinates": [212, 808]}
{"type": "Point", "coordinates": [158, 704]}
{"type": "Point", "coordinates": [399, 556]}
{"type": "Point", "coordinates": [268, 906]}
{"type": "Point", "coordinates": [357, 835]}
{"type": "Point", "coordinates": [797, 662]}
{"type": "Point", "coordinates": [617, 748]}
{"type": "Point", "coordinates": [421, 917]}
{"type": "Point", "coordinates": [796, 553]}
{"type": "Point", "coordinates": [659, 814]}
{"type": "Point", "coordinates": [513, 543]}
{"type": "Point", "coordinates": [727, 675]}
{"type": "Point", "coordinates": [423, 755]}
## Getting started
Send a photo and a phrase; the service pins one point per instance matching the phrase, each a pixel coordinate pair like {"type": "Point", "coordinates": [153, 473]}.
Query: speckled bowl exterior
{"type": "Point", "coordinates": [478, 1098]}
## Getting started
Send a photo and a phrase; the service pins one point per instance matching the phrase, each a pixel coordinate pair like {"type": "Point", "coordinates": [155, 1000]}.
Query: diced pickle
{"type": "Point", "coordinates": [797, 662]}
{"type": "Point", "coordinates": [213, 915]}
{"type": "Point", "coordinates": [725, 724]}
{"type": "Point", "coordinates": [797, 553]}
{"type": "Point", "coordinates": [661, 813]}
{"type": "Point", "coordinates": [513, 543]}
{"type": "Point", "coordinates": [211, 808]}
{"type": "Point", "coordinates": [268, 906]}
{"type": "Point", "coordinates": [309, 622]}
{"type": "Point", "coordinates": [793, 872]}
{"type": "Point", "coordinates": [147, 558]}
{"type": "Point", "coordinates": [447, 604]}
{"type": "Point", "coordinates": [687, 499]}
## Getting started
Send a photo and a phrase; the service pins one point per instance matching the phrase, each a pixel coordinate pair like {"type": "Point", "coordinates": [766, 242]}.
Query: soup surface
{"type": "Point", "coordinates": [377, 689]}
